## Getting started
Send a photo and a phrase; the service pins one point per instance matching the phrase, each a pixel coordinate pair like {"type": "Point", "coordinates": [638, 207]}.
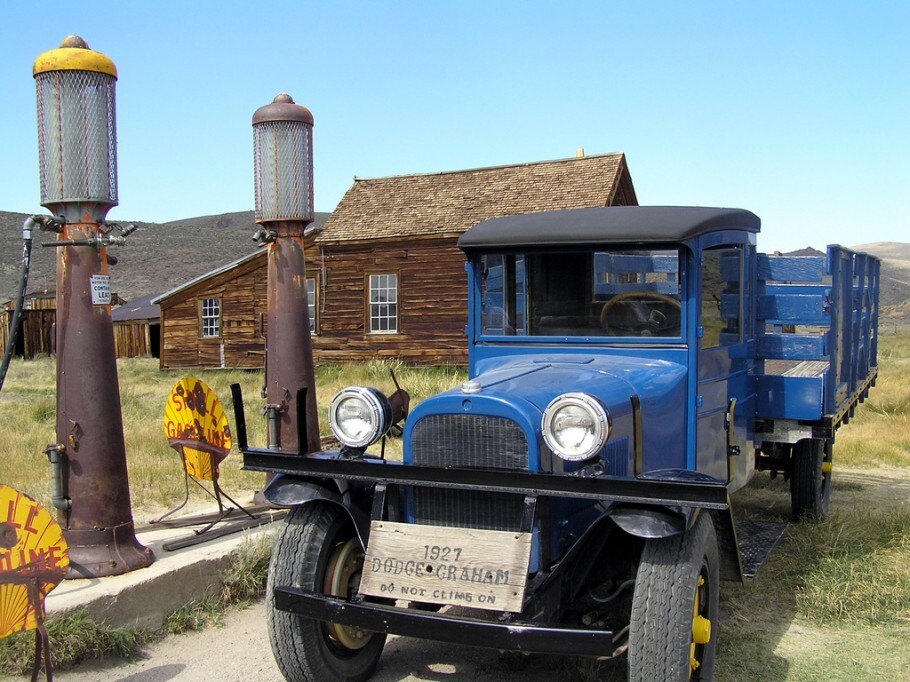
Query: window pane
{"type": "Point", "coordinates": [211, 317]}
{"type": "Point", "coordinates": [383, 303]}
{"type": "Point", "coordinates": [620, 293]}
{"type": "Point", "coordinates": [311, 302]}
{"type": "Point", "coordinates": [721, 288]}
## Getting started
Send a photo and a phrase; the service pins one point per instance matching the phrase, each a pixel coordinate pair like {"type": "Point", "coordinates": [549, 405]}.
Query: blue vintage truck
{"type": "Point", "coordinates": [630, 369]}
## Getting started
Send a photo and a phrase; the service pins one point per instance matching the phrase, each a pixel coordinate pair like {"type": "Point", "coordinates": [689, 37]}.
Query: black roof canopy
{"type": "Point", "coordinates": [623, 224]}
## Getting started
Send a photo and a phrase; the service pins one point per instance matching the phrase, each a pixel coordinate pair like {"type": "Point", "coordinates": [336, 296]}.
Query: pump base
{"type": "Point", "coordinates": [105, 552]}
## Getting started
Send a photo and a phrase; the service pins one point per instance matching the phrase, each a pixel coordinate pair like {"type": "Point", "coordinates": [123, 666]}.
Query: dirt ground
{"type": "Point", "coordinates": [240, 650]}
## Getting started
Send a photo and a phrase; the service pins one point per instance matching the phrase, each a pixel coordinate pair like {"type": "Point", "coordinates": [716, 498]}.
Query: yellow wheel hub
{"type": "Point", "coordinates": [346, 561]}
{"type": "Point", "coordinates": [701, 628]}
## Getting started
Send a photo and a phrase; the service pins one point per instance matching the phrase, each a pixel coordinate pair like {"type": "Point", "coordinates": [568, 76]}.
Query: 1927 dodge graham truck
{"type": "Point", "coordinates": [630, 368]}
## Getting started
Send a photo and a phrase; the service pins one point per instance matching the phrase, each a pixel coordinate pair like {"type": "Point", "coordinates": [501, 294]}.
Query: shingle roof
{"type": "Point", "coordinates": [140, 308]}
{"type": "Point", "coordinates": [447, 204]}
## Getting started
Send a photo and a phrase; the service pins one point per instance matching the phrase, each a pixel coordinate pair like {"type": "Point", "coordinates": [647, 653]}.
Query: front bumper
{"type": "Point", "coordinates": [641, 490]}
{"type": "Point", "coordinates": [444, 627]}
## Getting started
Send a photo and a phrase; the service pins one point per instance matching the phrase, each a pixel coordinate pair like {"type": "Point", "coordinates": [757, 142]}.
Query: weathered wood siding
{"type": "Point", "coordinates": [36, 331]}
{"type": "Point", "coordinates": [432, 302]}
{"type": "Point", "coordinates": [243, 296]}
{"type": "Point", "coordinates": [131, 339]}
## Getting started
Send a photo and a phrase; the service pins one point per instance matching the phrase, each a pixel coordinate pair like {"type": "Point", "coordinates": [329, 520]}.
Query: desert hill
{"type": "Point", "coordinates": [157, 257]}
{"type": "Point", "coordinates": [161, 256]}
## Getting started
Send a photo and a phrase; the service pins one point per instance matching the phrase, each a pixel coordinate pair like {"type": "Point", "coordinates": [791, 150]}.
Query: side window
{"type": "Point", "coordinates": [721, 297]}
{"type": "Point", "coordinates": [210, 318]}
{"type": "Point", "coordinates": [503, 295]}
{"type": "Point", "coordinates": [383, 304]}
{"type": "Point", "coordinates": [311, 302]}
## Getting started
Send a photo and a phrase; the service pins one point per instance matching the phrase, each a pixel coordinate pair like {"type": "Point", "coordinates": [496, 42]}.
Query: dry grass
{"type": "Point", "coordinates": [879, 433]}
{"type": "Point", "coordinates": [27, 410]}
{"type": "Point", "coordinates": [832, 603]}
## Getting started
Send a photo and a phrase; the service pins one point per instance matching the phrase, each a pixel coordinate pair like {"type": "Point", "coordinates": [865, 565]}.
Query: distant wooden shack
{"type": "Point", "coordinates": [385, 276]}
{"type": "Point", "coordinates": [36, 324]}
{"type": "Point", "coordinates": [137, 328]}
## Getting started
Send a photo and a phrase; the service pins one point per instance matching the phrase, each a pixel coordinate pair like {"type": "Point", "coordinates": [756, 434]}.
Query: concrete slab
{"type": "Point", "coordinates": [145, 597]}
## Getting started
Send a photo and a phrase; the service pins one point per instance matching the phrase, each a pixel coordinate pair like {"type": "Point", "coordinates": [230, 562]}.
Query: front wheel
{"type": "Point", "coordinates": [810, 479]}
{"type": "Point", "coordinates": [672, 633]}
{"type": "Point", "coordinates": [318, 551]}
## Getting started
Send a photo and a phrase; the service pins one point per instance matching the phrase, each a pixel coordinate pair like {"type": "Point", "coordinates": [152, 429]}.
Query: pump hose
{"type": "Point", "coordinates": [27, 227]}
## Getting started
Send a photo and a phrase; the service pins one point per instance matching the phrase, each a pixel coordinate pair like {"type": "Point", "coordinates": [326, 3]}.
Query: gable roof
{"type": "Point", "coordinates": [232, 268]}
{"type": "Point", "coordinates": [140, 308]}
{"type": "Point", "coordinates": [447, 204]}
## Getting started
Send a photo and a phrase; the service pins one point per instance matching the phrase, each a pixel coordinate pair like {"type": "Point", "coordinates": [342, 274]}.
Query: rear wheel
{"type": "Point", "coordinates": [672, 633]}
{"type": "Point", "coordinates": [810, 479]}
{"type": "Point", "coordinates": [318, 551]}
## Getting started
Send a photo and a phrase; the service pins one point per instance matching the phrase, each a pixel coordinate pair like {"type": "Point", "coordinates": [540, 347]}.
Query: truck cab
{"type": "Point", "coordinates": [630, 368]}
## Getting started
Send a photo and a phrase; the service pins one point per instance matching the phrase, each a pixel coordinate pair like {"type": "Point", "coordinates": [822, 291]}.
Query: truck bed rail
{"type": "Point", "coordinates": [812, 310]}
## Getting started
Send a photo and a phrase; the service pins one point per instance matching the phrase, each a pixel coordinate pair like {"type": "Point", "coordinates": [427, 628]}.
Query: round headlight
{"type": "Point", "coordinates": [359, 416]}
{"type": "Point", "coordinates": [575, 426]}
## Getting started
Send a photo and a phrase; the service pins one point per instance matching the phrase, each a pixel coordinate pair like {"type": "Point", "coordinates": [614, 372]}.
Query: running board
{"type": "Point", "coordinates": [756, 540]}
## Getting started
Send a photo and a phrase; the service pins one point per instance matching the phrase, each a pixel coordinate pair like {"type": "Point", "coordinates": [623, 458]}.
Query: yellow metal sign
{"type": "Point", "coordinates": [33, 560]}
{"type": "Point", "coordinates": [196, 426]}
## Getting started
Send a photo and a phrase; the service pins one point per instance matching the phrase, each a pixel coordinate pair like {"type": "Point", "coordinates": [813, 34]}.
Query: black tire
{"type": "Point", "coordinates": [810, 479]}
{"type": "Point", "coordinates": [306, 553]}
{"type": "Point", "coordinates": [677, 580]}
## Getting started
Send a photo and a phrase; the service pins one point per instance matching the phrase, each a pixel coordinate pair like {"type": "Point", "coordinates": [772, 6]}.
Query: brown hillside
{"type": "Point", "coordinates": [157, 257]}
{"type": "Point", "coordinates": [161, 256]}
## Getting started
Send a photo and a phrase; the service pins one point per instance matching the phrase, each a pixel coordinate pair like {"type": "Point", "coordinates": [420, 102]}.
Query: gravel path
{"type": "Point", "coordinates": [240, 652]}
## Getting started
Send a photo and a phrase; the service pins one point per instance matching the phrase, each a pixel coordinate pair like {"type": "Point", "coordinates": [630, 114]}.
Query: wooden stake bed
{"type": "Point", "coordinates": [484, 569]}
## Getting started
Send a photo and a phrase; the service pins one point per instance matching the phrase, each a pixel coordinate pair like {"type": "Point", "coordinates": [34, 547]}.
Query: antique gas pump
{"type": "Point", "coordinates": [283, 168]}
{"type": "Point", "coordinates": [78, 166]}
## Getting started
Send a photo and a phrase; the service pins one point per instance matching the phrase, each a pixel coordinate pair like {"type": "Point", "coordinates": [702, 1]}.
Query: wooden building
{"type": "Point", "coordinates": [137, 328]}
{"type": "Point", "coordinates": [385, 275]}
{"type": "Point", "coordinates": [36, 324]}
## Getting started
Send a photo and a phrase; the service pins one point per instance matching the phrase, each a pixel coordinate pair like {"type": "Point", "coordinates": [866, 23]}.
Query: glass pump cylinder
{"type": "Point", "coordinates": [77, 134]}
{"type": "Point", "coordinates": [283, 161]}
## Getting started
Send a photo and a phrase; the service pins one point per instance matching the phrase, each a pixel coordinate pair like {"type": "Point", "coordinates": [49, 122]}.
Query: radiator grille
{"type": "Point", "coordinates": [471, 442]}
{"type": "Point", "coordinates": [467, 508]}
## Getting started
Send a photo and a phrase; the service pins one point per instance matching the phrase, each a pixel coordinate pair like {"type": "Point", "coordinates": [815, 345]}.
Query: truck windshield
{"type": "Point", "coordinates": [616, 293]}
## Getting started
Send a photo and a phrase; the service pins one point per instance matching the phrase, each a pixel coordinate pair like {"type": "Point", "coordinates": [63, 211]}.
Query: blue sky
{"type": "Point", "coordinates": [798, 111]}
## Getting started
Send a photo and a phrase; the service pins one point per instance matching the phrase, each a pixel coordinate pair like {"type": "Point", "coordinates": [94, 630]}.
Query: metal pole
{"type": "Point", "coordinates": [289, 348]}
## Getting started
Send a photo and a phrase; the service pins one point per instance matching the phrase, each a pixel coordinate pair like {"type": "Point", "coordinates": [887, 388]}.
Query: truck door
{"type": "Point", "coordinates": [723, 387]}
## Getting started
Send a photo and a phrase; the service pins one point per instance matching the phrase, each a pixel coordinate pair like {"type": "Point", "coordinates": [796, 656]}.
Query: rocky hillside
{"type": "Point", "coordinates": [157, 257]}
{"type": "Point", "coordinates": [895, 284]}
{"type": "Point", "coordinates": [161, 256]}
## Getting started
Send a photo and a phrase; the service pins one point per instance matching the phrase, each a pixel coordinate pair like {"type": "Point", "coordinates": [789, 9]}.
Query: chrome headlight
{"type": "Point", "coordinates": [359, 416]}
{"type": "Point", "coordinates": [575, 426]}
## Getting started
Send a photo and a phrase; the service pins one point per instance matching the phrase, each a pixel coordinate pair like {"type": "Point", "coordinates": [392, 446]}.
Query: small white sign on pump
{"type": "Point", "coordinates": [101, 289]}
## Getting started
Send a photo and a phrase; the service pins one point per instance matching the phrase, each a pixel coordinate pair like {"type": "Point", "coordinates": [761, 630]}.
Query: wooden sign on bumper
{"type": "Point", "coordinates": [484, 569]}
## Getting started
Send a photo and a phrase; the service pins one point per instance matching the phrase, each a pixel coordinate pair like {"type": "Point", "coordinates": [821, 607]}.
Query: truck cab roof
{"type": "Point", "coordinates": [613, 224]}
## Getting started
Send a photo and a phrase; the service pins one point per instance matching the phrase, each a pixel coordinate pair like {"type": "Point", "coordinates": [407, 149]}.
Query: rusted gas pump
{"type": "Point", "coordinates": [78, 166]}
{"type": "Point", "coordinates": [283, 168]}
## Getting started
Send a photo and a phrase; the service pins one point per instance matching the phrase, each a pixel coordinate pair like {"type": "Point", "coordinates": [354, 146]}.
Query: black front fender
{"type": "Point", "coordinates": [653, 522]}
{"type": "Point", "coordinates": [287, 490]}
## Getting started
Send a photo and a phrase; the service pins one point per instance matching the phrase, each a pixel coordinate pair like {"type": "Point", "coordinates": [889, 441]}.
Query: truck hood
{"type": "Point", "coordinates": [521, 388]}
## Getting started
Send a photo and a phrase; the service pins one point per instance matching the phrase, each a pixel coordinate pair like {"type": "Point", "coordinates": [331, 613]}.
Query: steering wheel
{"type": "Point", "coordinates": [657, 318]}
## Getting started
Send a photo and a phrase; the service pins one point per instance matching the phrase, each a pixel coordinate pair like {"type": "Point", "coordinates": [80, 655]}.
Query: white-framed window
{"type": "Point", "coordinates": [210, 318]}
{"type": "Point", "coordinates": [311, 302]}
{"type": "Point", "coordinates": [383, 306]}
